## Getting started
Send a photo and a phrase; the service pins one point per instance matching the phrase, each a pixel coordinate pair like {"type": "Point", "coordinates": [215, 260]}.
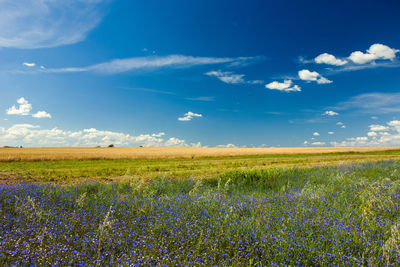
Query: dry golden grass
{"type": "Point", "coordinates": [36, 154]}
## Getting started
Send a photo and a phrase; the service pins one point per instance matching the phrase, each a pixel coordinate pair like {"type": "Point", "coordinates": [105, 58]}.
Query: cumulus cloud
{"type": "Point", "coordinates": [375, 52]}
{"type": "Point", "coordinates": [286, 86]}
{"type": "Point", "coordinates": [329, 59]}
{"type": "Point", "coordinates": [24, 109]}
{"type": "Point", "coordinates": [318, 143]}
{"type": "Point", "coordinates": [26, 64]}
{"type": "Point", "coordinates": [41, 114]}
{"type": "Point", "coordinates": [331, 113]}
{"type": "Point", "coordinates": [231, 77]}
{"type": "Point", "coordinates": [149, 63]}
{"type": "Point", "coordinates": [33, 136]}
{"type": "Point", "coordinates": [377, 128]}
{"type": "Point", "coordinates": [158, 134]}
{"type": "Point", "coordinates": [331, 132]}
{"type": "Point", "coordinates": [307, 75]}
{"type": "Point", "coordinates": [46, 23]}
{"type": "Point", "coordinates": [378, 135]}
{"type": "Point", "coordinates": [227, 146]}
{"type": "Point", "coordinates": [394, 123]}
{"type": "Point", "coordinates": [316, 134]}
{"type": "Point", "coordinates": [341, 124]}
{"type": "Point", "coordinates": [189, 116]}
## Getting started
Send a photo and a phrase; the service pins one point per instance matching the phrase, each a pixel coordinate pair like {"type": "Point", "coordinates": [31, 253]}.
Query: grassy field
{"type": "Point", "coordinates": [71, 153]}
{"type": "Point", "coordinates": [69, 169]}
{"type": "Point", "coordinates": [315, 209]}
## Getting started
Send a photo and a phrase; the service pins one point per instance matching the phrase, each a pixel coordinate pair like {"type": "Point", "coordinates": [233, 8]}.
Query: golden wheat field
{"type": "Point", "coordinates": [34, 154]}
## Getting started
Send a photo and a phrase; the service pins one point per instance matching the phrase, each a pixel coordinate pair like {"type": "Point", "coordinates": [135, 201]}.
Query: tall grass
{"type": "Point", "coordinates": [346, 215]}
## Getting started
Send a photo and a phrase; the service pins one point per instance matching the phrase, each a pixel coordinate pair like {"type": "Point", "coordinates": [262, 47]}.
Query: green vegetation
{"type": "Point", "coordinates": [339, 215]}
{"type": "Point", "coordinates": [76, 171]}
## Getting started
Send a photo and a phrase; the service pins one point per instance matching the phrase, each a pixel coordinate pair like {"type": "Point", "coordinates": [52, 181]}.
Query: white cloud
{"type": "Point", "coordinates": [359, 57]}
{"type": "Point", "coordinates": [378, 135]}
{"type": "Point", "coordinates": [189, 116]}
{"type": "Point", "coordinates": [149, 63]}
{"type": "Point", "coordinates": [230, 77]}
{"type": "Point", "coordinates": [331, 113]}
{"type": "Point", "coordinates": [227, 77]}
{"type": "Point", "coordinates": [26, 64]}
{"type": "Point", "coordinates": [329, 59]}
{"type": "Point", "coordinates": [23, 109]}
{"type": "Point", "coordinates": [377, 128]}
{"type": "Point", "coordinates": [41, 114]}
{"type": "Point", "coordinates": [343, 126]}
{"type": "Point", "coordinates": [316, 134]}
{"type": "Point", "coordinates": [375, 52]}
{"type": "Point", "coordinates": [394, 123]}
{"type": "Point", "coordinates": [339, 123]}
{"type": "Point", "coordinates": [318, 143]}
{"type": "Point", "coordinates": [47, 23]}
{"type": "Point", "coordinates": [307, 75]}
{"type": "Point", "coordinates": [285, 86]}
{"type": "Point", "coordinates": [376, 103]}
{"type": "Point", "coordinates": [227, 146]}
{"type": "Point", "coordinates": [382, 51]}
{"type": "Point", "coordinates": [331, 132]}
{"type": "Point", "coordinates": [158, 134]}
{"type": "Point", "coordinates": [374, 118]}
{"type": "Point", "coordinates": [173, 141]}
{"type": "Point", "coordinates": [31, 136]}
{"type": "Point", "coordinates": [305, 142]}
{"type": "Point", "coordinates": [323, 80]}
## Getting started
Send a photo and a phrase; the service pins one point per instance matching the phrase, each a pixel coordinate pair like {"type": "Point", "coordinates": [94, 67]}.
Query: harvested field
{"type": "Point", "coordinates": [37, 154]}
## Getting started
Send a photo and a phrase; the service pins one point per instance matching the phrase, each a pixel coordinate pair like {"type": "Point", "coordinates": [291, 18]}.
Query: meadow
{"type": "Point", "coordinates": [334, 208]}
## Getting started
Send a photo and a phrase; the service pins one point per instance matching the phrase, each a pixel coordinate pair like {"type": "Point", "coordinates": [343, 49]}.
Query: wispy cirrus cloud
{"type": "Point", "coordinates": [372, 103]}
{"type": "Point", "coordinates": [202, 98]}
{"type": "Point", "coordinates": [29, 24]}
{"type": "Point", "coordinates": [231, 77]}
{"type": "Point", "coordinates": [149, 63]}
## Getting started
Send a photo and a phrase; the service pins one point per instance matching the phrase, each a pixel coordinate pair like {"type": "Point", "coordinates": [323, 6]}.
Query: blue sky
{"type": "Point", "coordinates": [199, 73]}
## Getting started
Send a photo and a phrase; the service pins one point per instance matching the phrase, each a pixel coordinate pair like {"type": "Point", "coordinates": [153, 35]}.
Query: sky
{"type": "Point", "coordinates": [210, 73]}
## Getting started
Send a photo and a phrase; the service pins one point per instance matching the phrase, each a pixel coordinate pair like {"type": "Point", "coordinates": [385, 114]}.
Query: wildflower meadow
{"type": "Point", "coordinates": [343, 215]}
